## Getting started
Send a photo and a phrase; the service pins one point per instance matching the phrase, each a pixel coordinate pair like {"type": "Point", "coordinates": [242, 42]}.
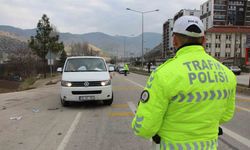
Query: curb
{"type": "Point", "coordinates": [243, 89]}
{"type": "Point", "coordinates": [55, 81]}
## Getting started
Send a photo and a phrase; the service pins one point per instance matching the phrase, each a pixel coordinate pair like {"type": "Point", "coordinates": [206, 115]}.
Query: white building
{"type": "Point", "coordinates": [225, 42]}
{"type": "Point", "coordinates": [168, 29]}
{"type": "Point", "coordinates": [207, 13]}
{"type": "Point", "coordinates": [3, 57]}
{"type": "Point", "coordinates": [187, 12]}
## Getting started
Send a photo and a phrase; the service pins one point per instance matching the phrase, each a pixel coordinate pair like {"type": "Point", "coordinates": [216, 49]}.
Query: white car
{"type": "Point", "coordinates": [111, 67]}
{"type": "Point", "coordinates": [85, 78]}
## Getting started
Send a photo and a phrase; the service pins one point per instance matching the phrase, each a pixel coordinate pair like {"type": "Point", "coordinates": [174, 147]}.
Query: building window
{"type": "Point", "coordinates": [238, 46]}
{"type": "Point", "coordinates": [208, 45]}
{"type": "Point", "coordinates": [227, 55]}
{"type": "Point", "coordinates": [217, 36]}
{"type": "Point", "coordinates": [228, 37]}
{"type": "Point", "coordinates": [217, 45]}
{"type": "Point", "coordinates": [217, 54]}
{"type": "Point", "coordinates": [228, 45]}
{"type": "Point", "coordinates": [237, 55]}
{"type": "Point", "coordinates": [191, 13]}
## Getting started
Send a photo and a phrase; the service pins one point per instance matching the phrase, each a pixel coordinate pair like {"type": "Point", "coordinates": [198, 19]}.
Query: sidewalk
{"type": "Point", "coordinates": [47, 81]}
{"type": "Point", "coordinates": [243, 79]}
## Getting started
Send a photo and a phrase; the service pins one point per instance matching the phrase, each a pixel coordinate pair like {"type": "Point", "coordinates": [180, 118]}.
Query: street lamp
{"type": "Point", "coordinates": [142, 13]}
{"type": "Point", "coordinates": [124, 48]}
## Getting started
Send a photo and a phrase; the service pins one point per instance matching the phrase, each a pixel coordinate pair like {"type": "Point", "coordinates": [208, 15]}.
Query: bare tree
{"type": "Point", "coordinates": [79, 49]}
{"type": "Point", "coordinates": [24, 62]}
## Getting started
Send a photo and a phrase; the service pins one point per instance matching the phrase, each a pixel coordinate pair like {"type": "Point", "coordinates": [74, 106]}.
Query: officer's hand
{"type": "Point", "coordinates": [156, 139]}
{"type": "Point", "coordinates": [220, 131]}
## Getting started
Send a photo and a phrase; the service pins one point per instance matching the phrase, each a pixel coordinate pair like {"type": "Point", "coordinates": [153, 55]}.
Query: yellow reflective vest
{"type": "Point", "coordinates": [126, 67]}
{"type": "Point", "coordinates": [185, 100]}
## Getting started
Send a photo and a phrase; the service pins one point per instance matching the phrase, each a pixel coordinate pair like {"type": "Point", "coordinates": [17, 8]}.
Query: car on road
{"type": "Point", "coordinates": [236, 70]}
{"type": "Point", "coordinates": [85, 78]}
{"type": "Point", "coordinates": [121, 69]}
{"type": "Point", "coordinates": [111, 67]}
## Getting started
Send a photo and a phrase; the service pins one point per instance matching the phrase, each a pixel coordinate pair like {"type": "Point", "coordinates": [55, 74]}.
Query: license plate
{"type": "Point", "coordinates": [86, 98]}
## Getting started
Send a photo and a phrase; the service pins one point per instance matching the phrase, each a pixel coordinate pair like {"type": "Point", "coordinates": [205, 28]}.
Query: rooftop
{"type": "Point", "coordinates": [229, 29]}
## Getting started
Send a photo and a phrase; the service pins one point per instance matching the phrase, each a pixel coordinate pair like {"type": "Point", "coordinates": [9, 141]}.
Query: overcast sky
{"type": "Point", "coordinates": [84, 16]}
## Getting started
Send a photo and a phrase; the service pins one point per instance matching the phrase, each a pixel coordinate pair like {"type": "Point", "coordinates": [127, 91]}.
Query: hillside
{"type": "Point", "coordinates": [156, 53]}
{"type": "Point", "coordinates": [10, 43]}
{"type": "Point", "coordinates": [111, 44]}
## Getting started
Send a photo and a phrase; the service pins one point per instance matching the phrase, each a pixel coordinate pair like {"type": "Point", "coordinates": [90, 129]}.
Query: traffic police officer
{"type": "Point", "coordinates": [189, 96]}
{"type": "Point", "coordinates": [126, 69]}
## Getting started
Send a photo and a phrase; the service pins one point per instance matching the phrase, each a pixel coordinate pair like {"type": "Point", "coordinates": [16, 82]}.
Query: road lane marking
{"type": "Point", "coordinates": [242, 108]}
{"type": "Point", "coordinates": [242, 97]}
{"type": "Point", "coordinates": [132, 107]}
{"type": "Point", "coordinates": [67, 136]}
{"type": "Point", "coordinates": [242, 100]}
{"type": "Point", "coordinates": [232, 134]}
{"type": "Point", "coordinates": [237, 137]}
{"type": "Point", "coordinates": [119, 105]}
{"type": "Point", "coordinates": [121, 114]}
{"type": "Point", "coordinates": [134, 83]}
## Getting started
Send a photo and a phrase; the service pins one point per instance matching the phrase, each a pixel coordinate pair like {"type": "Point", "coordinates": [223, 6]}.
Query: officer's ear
{"type": "Point", "coordinates": [204, 40]}
{"type": "Point", "coordinates": [175, 41]}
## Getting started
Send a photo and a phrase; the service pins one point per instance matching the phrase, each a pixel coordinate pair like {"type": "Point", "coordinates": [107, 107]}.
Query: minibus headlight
{"type": "Point", "coordinates": [66, 83]}
{"type": "Point", "coordinates": [105, 83]}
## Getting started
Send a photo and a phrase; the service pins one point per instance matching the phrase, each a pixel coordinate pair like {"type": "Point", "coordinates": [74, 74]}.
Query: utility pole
{"type": "Point", "coordinates": [249, 82]}
{"type": "Point", "coordinates": [235, 49]}
{"type": "Point", "coordinates": [44, 61]}
{"type": "Point", "coordinates": [124, 48]}
{"type": "Point", "coordinates": [142, 34]}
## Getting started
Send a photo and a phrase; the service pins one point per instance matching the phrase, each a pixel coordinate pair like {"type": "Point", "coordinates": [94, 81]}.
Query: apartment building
{"type": "Point", "coordinates": [167, 36]}
{"type": "Point", "coordinates": [225, 12]}
{"type": "Point", "coordinates": [225, 42]}
{"type": "Point", "coordinates": [187, 12]}
{"type": "Point", "coordinates": [168, 29]}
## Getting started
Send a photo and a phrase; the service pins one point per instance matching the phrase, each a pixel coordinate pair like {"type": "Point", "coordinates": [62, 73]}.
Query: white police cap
{"type": "Point", "coordinates": [190, 26]}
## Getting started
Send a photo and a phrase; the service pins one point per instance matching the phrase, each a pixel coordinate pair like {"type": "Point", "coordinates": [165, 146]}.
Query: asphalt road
{"type": "Point", "coordinates": [35, 120]}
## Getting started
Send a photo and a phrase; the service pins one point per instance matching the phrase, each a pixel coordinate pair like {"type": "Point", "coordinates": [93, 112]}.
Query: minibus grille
{"type": "Point", "coordinates": [86, 83]}
{"type": "Point", "coordinates": [86, 92]}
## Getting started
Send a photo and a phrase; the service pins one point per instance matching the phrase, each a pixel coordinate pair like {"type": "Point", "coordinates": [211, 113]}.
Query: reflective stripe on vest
{"type": "Point", "coordinates": [199, 145]}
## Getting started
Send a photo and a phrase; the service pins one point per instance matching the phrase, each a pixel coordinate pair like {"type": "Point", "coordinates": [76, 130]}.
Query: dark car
{"type": "Point", "coordinates": [121, 69]}
{"type": "Point", "coordinates": [236, 70]}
